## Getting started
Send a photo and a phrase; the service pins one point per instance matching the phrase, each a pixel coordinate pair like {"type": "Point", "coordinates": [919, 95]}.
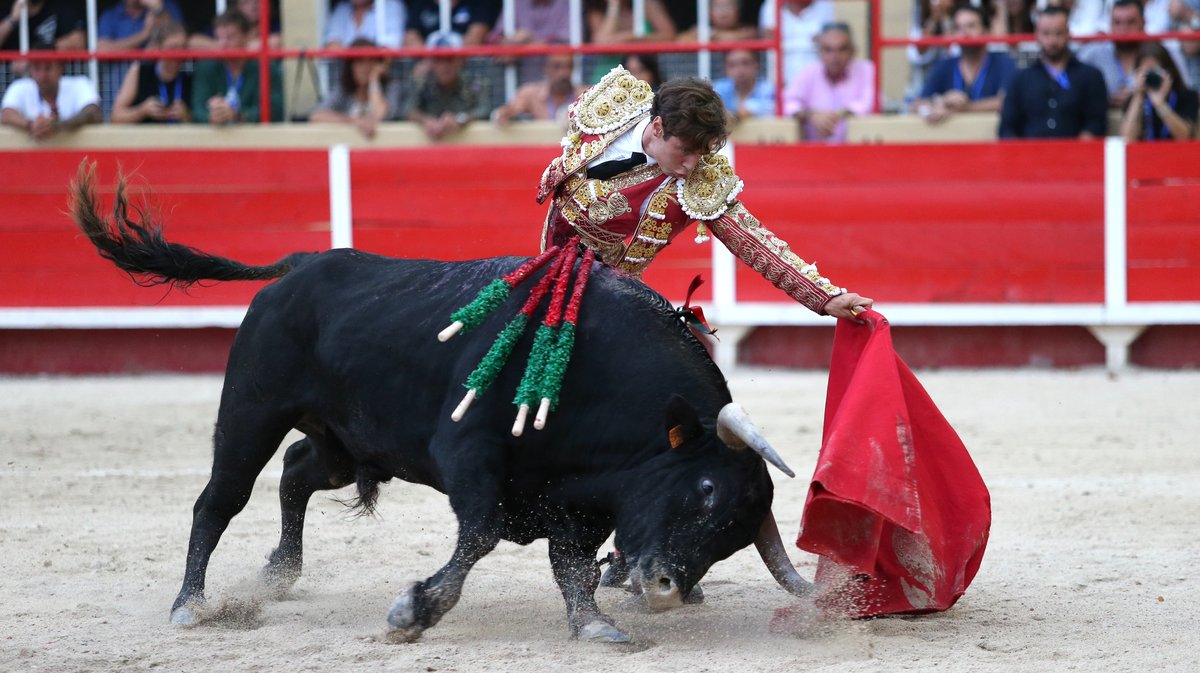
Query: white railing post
{"type": "Point", "coordinates": [220, 7]}
{"type": "Point", "coordinates": [341, 221]}
{"type": "Point", "coordinates": [704, 35]}
{"type": "Point", "coordinates": [509, 24]}
{"type": "Point", "coordinates": [1115, 253]}
{"type": "Point", "coordinates": [23, 35]}
{"type": "Point", "coordinates": [93, 65]}
{"type": "Point", "coordinates": [576, 36]}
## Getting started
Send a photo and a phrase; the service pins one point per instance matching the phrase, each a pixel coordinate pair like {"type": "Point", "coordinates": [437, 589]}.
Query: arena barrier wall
{"type": "Point", "coordinates": [1000, 235]}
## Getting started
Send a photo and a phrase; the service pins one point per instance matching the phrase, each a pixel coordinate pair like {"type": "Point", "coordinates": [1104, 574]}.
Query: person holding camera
{"type": "Point", "coordinates": [1161, 106]}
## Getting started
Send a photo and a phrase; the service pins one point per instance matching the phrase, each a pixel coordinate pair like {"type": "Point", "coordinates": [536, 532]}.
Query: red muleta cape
{"type": "Point", "coordinates": [896, 509]}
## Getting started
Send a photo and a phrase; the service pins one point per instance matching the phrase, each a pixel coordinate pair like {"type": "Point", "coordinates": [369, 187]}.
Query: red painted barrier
{"type": "Point", "coordinates": [1163, 201]}
{"type": "Point", "coordinates": [252, 205]}
{"type": "Point", "coordinates": [1002, 222]}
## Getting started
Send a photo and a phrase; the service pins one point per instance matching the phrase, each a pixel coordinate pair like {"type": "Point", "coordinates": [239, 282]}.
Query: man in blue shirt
{"type": "Point", "coordinates": [744, 93]}
{"type": "Point", "coordinates": [974, 81]}
{"type": "Point", "coordinates": [1059, 96]}
{"type": "Point", "coordinates": [128, 25]}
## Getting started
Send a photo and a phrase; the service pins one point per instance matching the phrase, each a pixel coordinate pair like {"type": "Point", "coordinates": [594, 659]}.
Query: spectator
{"type": "Point", "coordinates": [535, 22]}
{"type": "Point", "coordinates": [743, 91]}
{"type": "Point", "coordinates": [156, 92]}
{"type": "Point", "coordinates": [443, 102]}
{"type": "Point", "coordinates": [1086, 17]}
{"type": "Point", "coordinates": [1115, 60]}
{"type": "Point", "coordinates": [363, 97]}
{"type": "Point", "coordinates": [1059, 96]}
{"type": "Point", "coordinates": [251, 9]}
{"type": "Point", "coordinates": [973, 81]}
{"type": "Point", "coordinates": [1185, 17]}
{"type": "Point", "coordinates": [548, 99]}
{"type": "Point", "coordinates": [355, 19]}
{"type": "Point", "coordinates": [931, 18]}
{"type": "Point", "coordinates": [802, 20]}
{"type": "Point", "coordinates": [726, 20]}
{"type": "Point", "coordinates": [128, 25]}
{"type": "Point", "coordinates": [611, 22]}
{"type": "Point", "coordinates": [51, 22]}
{"type": "Point", "coordinates": [46, 103]}
{"type": "Point", "coordinates": [227, 91]}
{"type": "Point", "coordinates": [644, 67]}
{"type": "Point", "coordinates": [1161, 106]}
{"type": "Point", "coordinates": [1015, 17]}
{"type": "Point", "coordinates": [472, 20]}
{"type": "Point", "coordinates": [824, 94]}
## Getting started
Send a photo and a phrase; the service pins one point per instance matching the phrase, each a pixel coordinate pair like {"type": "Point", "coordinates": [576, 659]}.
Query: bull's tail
{"type": "Point", "coordinates": [139, 249]}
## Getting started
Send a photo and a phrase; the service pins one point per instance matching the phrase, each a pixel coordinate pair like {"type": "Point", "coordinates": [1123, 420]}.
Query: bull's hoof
{"type": "Point", "coordinates": [616, 573]}
{"type": "Point", "coordinates": [402, 617]}
{"type": "Point", "coordinates": [184, 615]}
{"type": "Point", "coordinates": [278, 579]}
{"type": "Point", "coordinates": [600, 631]}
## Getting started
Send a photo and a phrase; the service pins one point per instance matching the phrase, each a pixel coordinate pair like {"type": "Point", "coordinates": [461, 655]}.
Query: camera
{"type": "Point", "coordinates": [1154, 79]}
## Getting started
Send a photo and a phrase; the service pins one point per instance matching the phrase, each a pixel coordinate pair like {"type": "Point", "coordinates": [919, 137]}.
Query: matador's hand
{"type": "Point", "coordinates": [848, 305]}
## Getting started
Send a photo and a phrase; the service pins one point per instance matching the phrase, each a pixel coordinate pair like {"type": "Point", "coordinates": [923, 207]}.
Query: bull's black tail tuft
{"type": "Point", "coordinates": [367, 482]}
{"type": "Point", "coordinates": [138, 248]}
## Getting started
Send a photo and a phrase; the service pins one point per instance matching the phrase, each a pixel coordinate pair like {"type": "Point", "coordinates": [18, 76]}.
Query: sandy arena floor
{"type": "Point", "coordinates": [1095, 485]}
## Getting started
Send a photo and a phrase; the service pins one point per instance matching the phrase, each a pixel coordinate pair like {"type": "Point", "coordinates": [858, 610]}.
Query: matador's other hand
{"type": "Point", "coordinates": [848, 305]}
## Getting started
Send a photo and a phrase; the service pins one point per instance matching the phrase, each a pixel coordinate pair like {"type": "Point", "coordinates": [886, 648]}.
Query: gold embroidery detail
{"type": "Point", "coordinates": [606, 208]}
{"type": "Point", "coordinates": [634, 177]}
{"type": "Point", "coordinates": [613, 101]}
{"type": "Point", "coordinates": [651, 236]}
{"type": "Point", "coordinates": [710, 188]}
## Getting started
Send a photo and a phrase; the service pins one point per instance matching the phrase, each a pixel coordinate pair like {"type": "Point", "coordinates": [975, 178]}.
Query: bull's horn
{"type": "Point", "coordinates": [735, 429]}
{"type": "Point", "coordinates": [770, 548]}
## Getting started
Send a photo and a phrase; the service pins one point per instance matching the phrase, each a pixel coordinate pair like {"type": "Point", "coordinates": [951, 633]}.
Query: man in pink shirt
{"type": "Point", "coordinates": [824, 94]}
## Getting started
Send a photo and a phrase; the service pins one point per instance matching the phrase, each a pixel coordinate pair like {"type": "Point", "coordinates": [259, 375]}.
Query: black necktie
{"type": "Point", "coordinates": [608, 169]}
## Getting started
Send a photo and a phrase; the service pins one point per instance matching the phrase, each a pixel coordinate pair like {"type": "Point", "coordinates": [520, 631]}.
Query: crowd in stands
{"type": "Point", "coordinates": [1048, 86]}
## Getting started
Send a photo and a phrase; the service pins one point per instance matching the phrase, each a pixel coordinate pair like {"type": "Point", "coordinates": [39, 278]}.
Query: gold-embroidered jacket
{"type": "Point", "coordinates": [629, 218]}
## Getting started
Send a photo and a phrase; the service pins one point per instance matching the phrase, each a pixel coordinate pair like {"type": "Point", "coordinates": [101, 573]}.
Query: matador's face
{"type": "Point", "coordinates": [672, 155]}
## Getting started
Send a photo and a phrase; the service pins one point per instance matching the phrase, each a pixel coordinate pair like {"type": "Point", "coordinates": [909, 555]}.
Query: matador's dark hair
{"type": "Point", "coordinates": [691, 110]}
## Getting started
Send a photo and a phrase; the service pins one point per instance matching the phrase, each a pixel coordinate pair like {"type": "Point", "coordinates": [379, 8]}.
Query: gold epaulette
{"type": "Point", "coordinates": [710, 188]}
{"type": "Point", "coordinates": [615, 100]}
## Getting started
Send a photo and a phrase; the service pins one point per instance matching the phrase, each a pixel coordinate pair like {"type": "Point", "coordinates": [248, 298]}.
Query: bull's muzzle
{"type": "Point", "coordinates": [658, 588]}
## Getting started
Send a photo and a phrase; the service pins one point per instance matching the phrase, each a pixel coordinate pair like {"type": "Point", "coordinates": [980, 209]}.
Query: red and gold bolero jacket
{"type": "Point", "coordinates": [630, 217]}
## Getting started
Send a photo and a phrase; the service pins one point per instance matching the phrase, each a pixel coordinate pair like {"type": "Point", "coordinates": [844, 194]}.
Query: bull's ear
{"type": "Point", "coordinates": [682, 422]}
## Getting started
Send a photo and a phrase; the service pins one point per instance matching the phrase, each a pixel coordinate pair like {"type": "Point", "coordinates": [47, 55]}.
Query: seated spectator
{"type": "Point", "coordinates": [1115, 60]}
{"type": "Point", "coordinates": [472, 20]}
{"type": "Point", "coordinates": [156, 92]}
{"type": "Point", "coordinates": [251, 10]}
{"type": "Point", "coordinates": [363, 97]}
{"type": "Point", "coordinates": [46, 103]}
{"type": "Point", "coordinates": [534, 22]}
{"type": "Point", "coordinates": [443, 102]}
{"type": "Point", "coordinates": [611, 22]}
{"type": "Point", "coordinates": [51, 22]}
{"type": "Point", "coordinates": [744, 92]}
{"type": "Point", "coordinates": [931, 18]}
{"type": "Point", "coordinates": [725, 17]}
{"type": "Point", "coordinates": [973, 81]}
{"type": "Point", "coordinates": [227, 91]}
{"type": "Point", "coordinates": [355, 19]}
{"type": "Point", "coordinates": [1015, 17]}
{"type": "Point", "coordinates": [1160, 107]}
{"type": "Point", "coordinates": [129, 24]}
{"type": "Point", "coordinates": [1059, 96]}
{"type": "Point", "coordinates": [802, 20]}
{"type": "Point", "coordinates": [644, 67]}
{"type": "Point", "coordinates": [1086, 17]}
{"type": "Point", "coordinates": [1185, 17]}
{"type": "Point", "coordinates": [537, 22]}
{"type": "Point", "coordinates": [547, 99]}
{"type": "Point", "coordinates": [824, 94]}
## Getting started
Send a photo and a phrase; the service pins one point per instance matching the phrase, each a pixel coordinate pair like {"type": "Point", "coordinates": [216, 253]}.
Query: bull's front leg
{"type": "Point", "coordinates": [577, 574]}
{"type": "Point", "coordinates": [422, 604]}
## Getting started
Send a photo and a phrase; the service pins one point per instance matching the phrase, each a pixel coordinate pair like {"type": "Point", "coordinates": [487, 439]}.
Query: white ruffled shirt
{"type": "Point", "coordinates": [74, 94]}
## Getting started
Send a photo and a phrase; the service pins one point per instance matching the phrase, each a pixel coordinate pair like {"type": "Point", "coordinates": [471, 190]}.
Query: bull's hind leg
{"type": "Point", "coordinates": [577, 574]}
{"type": "Point", "coordinates": [475, 498]}
{"type": "Point", "coordinates": [246, 437]}
{"type": "Point", "coordinates": [309, 465]}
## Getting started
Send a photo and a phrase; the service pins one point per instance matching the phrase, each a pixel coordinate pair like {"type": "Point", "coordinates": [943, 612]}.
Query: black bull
{"type": "Point", "coordinates": [342, 348]}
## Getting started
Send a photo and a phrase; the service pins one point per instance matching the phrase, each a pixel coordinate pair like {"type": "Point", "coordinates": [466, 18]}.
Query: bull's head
{"type": "Point", "coordinates": [700, 502]}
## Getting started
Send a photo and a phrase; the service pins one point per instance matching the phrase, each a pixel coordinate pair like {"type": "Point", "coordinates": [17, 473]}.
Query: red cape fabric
{"type": "Point", "coordinates": [896, 509]}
